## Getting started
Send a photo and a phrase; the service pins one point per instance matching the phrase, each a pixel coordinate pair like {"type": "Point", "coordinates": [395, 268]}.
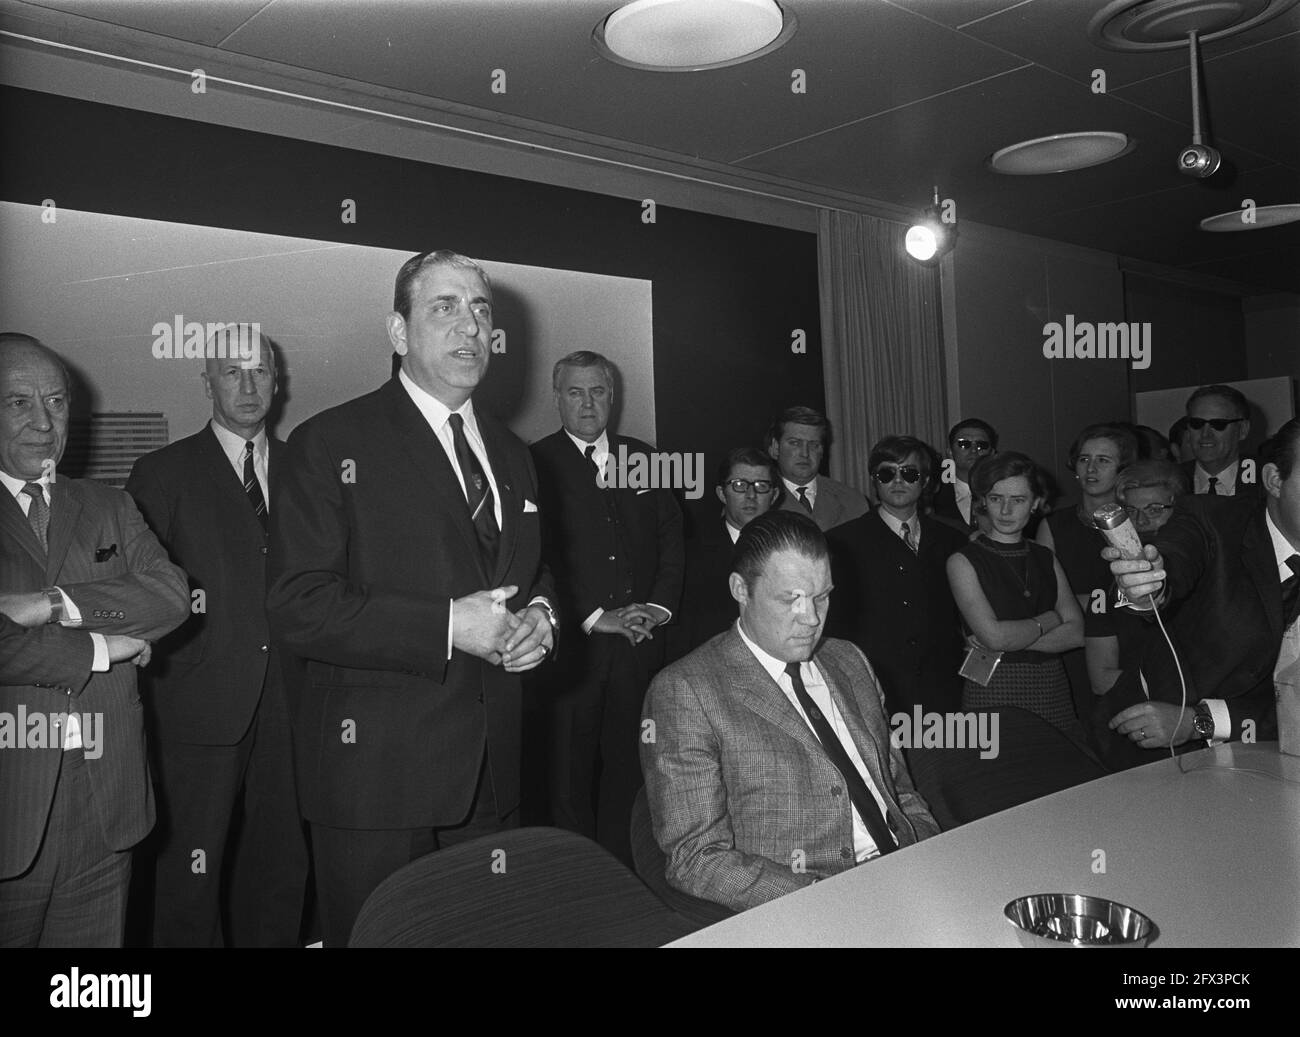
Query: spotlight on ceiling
{"type": "Point", "coordinates": [932, 237]}
{"type": "Point", "coordinates": [692, 35]}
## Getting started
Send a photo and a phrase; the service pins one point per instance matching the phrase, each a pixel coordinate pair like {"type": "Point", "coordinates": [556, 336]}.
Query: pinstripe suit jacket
{"type": "Point", "coordinates": [738, 784]}
{"type": "Point", "coordinates": [833, 504]}
{"type": "Point", "coordinates": [112, 568]}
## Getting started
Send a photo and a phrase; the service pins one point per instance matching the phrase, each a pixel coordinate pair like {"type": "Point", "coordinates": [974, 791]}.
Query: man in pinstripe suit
{"type": "Point", "coordinates": [766, 751]}
{"type": "Point", "coordinates": [75, 554]}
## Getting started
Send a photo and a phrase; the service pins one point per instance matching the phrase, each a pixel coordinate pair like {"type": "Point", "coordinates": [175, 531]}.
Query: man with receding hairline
{"type": "Point", "coordinates": [219, 721]}
{"type": "Point", "coordinates": [73, 554]}
{"type": "Point", "coordinates": [767, 759]}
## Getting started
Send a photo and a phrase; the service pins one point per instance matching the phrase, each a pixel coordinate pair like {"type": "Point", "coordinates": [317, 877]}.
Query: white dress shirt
{"type": "Point", "coordinates": [732, 531]}
{"type": "Point", "coordinates": [810, 488]}
{"type": "Point", "coordinates": [863, 845]}
{"type": "Point", "coordinates": [961, 493]}
{"type": "Point", "coordinates": [71, 614]}
{"type": "Point", "coordinates": [1290, 652]}
{"type": "Point", "coordinates": [896, 524]}
{"type": "Point", "coordinates": [1227, 480]}
{"type": "Point", "coordinates": [233, 446]}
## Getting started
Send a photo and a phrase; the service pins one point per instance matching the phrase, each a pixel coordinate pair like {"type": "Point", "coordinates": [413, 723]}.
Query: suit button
{"type": "Point", "coordinates": [835, 790]}
{"type": "Point", "coordinates": [906, 603]}
{"type": "Point", "coordinates": [846, 853]}
{"type": "Point", "coordinates": [611, 558]}
{"type": "Point", "coordinates": [902, 569]}
{"type": "Point", "coordinates": [263, 648]}
{"type": "Point", "coordinates": [264, 550]}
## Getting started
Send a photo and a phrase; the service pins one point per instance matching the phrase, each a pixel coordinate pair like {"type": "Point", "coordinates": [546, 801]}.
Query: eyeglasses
{"type": "Point", "coordinates": [1218, 424]}
{"type": "Point", "coordinates": [980, 446]}
{"type": "Point", "coordinates": [761, 486]}
{"type": "Point", "coordinates": [1151, 511]}
{"type": "Point", "coordinates": [887, 473]}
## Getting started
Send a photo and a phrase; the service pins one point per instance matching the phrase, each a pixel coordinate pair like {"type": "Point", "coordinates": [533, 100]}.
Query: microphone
{"type": "Point", "coordinates": [1118, 529]}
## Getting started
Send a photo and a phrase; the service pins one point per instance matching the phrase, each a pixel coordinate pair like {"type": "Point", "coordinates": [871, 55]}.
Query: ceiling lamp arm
{"type": "Point", "coordinates": [1197, 136]}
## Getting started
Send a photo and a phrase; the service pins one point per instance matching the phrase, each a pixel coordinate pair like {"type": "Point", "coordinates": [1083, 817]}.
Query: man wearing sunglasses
{"type": "Point", "coordinates": [968, 441]}
{"type": "Point", "coordinates": [1218, 419]}
{"type": "Point", "coordinates": [748, 485]}
{"type": "Point", "coordinates": [892, 598]}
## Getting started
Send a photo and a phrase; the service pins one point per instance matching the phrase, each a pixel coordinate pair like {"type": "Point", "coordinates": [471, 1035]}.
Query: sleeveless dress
{"type": "Point", "coordinates": [1078, 549]}
{"type": "Point", "coordinates": [1020, 583]}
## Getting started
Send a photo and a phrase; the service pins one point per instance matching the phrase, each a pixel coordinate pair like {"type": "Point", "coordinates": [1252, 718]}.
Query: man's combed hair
{"type": "Point", "coordinates": [1282, 449]}
{"type": "Point", "coordinates": [14, 341]}
{"type": "Point", "coordinates": [799, 416]}
{"type": "Point", "coordinates": [747, 455]}
{"type": "Point", "coordinates": [583, 358]}
{"type": "Point", "coordinates": [978, 423]}
{"type": "Point", "coordinates": [772, 532]}
{"type": "Point", "coordinates": [897, 449]}
{"type": "Point", "coordinates": [1152, 472]}
{"type": "Point", "coordinates": [1224, 392]}
{"type": "Point", "coordinates": [417, 265]}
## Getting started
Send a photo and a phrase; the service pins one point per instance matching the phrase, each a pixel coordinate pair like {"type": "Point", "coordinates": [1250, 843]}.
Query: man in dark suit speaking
{"type": "Point", "coordinates": [405, 567]}
{"type": "Point", "coordinates": [76, 554]}
{"type": "Point", "coordinates": [617, 555]}
{"type": "Point", "coordinates": [767, 755]}
{"type": "Point", "coordinates": [219, 723]}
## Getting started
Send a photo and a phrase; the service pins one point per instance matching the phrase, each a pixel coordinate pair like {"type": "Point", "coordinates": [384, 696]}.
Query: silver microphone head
{"type": "Point", "coordinates": [1110, 516]}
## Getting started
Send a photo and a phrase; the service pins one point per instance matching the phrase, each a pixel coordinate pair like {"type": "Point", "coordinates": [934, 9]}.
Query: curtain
{"type": "Point", "coordinates": [882, 341]}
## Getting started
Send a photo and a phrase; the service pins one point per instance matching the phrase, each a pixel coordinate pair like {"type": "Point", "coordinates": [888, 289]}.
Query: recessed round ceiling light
{"type": "Point", "coordinates": [1263, 216]}
{"type": "Point", "coordinates": [691, 35]}
{"type": "Point", "coordinates": [1060, 153]}
{"type": "Point", "coordinates": [1145, 25]}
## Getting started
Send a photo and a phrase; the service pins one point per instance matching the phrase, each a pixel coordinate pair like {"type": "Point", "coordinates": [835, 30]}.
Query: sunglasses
{"type": "Point", "coordinates": [761, 486]}
{"type": "Point", "coordinates": [980, 446]}
{"type": "Point", "coordinates": [887, 473]}
{"type": "Point", "coordinates": [1218, 424]}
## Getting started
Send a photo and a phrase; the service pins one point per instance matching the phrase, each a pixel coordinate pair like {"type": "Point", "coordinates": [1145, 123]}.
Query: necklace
{"type": "Point", "coordinates": [1006, 556]}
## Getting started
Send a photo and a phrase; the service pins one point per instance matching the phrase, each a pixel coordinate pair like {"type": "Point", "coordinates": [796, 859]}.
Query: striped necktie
{"type": "Point", "coordinates": [252, 487]}
{"type": "Point", "coordinates": [803, 498]}
{"type": "Point", "coordinates": [908, 537]}
{"type": "Point", "coordinates": [478, 494]}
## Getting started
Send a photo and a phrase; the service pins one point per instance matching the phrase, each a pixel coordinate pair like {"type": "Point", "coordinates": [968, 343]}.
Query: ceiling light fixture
{"type": "Point", "coordinates": [692, 35]}
{"type": "Point", "coordinates": [1060, 153]}
{"type": "Point", "coordinates": [932, 237]}
{"type": "Point", "coordinates": [1252, 218]}
{"type": "Point", "coordinates": [1198, 159]}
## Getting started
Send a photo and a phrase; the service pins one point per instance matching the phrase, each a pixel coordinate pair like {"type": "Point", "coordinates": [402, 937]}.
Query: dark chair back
{"type": "Point", "coordinates": [1034, 759]}
{"type": "Point", "coordinates": [527, 887]}
{"type": "Point", "coordinates": [651, 867]}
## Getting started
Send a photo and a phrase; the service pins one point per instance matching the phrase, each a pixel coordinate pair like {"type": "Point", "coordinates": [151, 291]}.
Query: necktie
{"type": "Point", "coordinates": [803, 498]}
{"type": "Point", "coordinates": [861, 796]}
{"type": "Point", "coordinates": [1214, 481]}
{"type": "Point", "coordinates": [908, 538]}
{"type": "Point", "coordinates": [38, 515]}
{"type": "Point", "coordinates": [252, 487]}
{"type": "Point", "coordinates": [1291, 592]}
{"type": "Point", "coordinates": [590, 455]}
{"type": "Point", "coordinates": [478, 492]}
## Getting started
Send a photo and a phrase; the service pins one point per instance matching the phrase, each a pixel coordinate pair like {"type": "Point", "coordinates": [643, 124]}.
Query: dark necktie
{"type": "Point", "coordinates": [252, 487]}
{"type": "Point", "coordinates": [38, 515]}
{"type": "Point", "coordinates": [803, 498]}
{"type": "Point", "coordinates": [590, 455]}
{"type": "Point", "coordinates": [861, 796]}
{"type": "Point", "coordinates": [1291, 592]}
{"type": "Point", "coordinates": [908, 538]}
{"type": "Point", "coordinates": [478, 492]}
{"type": "Point", "coordinates": [1214, 482]}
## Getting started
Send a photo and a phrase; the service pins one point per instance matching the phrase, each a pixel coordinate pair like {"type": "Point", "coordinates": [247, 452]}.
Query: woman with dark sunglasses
{"type": "Point", "coordinates": [1015, 599]}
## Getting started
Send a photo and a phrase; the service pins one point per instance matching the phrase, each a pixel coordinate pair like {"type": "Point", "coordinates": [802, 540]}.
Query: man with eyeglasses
{"type": "Point", "coordinates": [968, 441]}
{"type": "Point", "coordinates": [1218, 419]}
{"type": "Point", "coordinates": [748, 485]}
{"type": "Point", "coordinates": [1225, 574]}
{"type": "Point", "coordinates": [892, 597]}
{"type": "Point", "coordinates": [797, 442]}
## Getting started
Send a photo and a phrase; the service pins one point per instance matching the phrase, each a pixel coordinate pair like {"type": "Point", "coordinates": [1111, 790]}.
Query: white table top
{"type": "Point", "coordinates": [1207, 845]}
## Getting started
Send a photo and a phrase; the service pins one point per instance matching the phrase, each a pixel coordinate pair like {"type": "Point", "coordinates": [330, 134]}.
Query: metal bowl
{"type": "Point", "coordinates": [1076, 920]}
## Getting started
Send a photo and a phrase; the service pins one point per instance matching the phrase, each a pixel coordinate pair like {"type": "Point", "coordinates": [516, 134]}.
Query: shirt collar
{"type": "Point", "coordinates": [896, 524]}
{"type": "Point", "coordinates": [793, 487]}
{"type": "Point", "coordinates": [232, 444]}
{"type": "Point", "coordinates": [774, 666]}
{"type": "Point", "coordinates": [1227, 477]}
{"type": "Point", "coordinates": [732, 531]}
{"type": "Point", "coordinates": [601, 444]}
{"type": "Point", "coordinates": [1282, 547]}
{"type": "Point", "coordinates": [434, 410]}
{"type": "Point", "coordinates": [960, 489]}
{"type": "Point", "coordinates": [15, 485]}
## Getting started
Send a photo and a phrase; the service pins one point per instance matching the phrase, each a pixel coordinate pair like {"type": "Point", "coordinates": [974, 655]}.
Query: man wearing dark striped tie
{"type": "Point", "coordinates": [217, 704]}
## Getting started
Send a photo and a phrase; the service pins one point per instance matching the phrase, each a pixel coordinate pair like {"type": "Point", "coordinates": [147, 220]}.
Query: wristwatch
{"type": "Point", "coordinates": [1203, 721]}
{"type": "Point", "coordinates": [551, 616]}
{"type": "Point", "coordinates": [56, 605]}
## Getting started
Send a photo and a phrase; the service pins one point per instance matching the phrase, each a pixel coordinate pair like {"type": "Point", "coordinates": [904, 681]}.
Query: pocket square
{"type": "Point", "coordinates": [103, 554]}
{"type": "Point", "coordinates": [529, 506]}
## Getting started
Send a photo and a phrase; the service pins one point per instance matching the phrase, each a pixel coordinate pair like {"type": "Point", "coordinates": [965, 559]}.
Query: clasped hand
{"type": "Point", "coordinates": [633, 622]}
{"type": "Point", "coordinates": [483, 626]}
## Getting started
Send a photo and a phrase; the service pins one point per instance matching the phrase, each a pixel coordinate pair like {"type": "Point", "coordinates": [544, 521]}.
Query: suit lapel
{"type": "Point", "coordinates": [1260, 561]}
{"type": "Point", "coordinates": [754, 686]}
{"type": "Point", "coordinates": [494, 439]}
{"type": "Point", "coordinates": [430, 463]}
{"type": "Point", "coordinates": [13, 523]}
{"type": "Point", "coordinates": [65, 511]}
